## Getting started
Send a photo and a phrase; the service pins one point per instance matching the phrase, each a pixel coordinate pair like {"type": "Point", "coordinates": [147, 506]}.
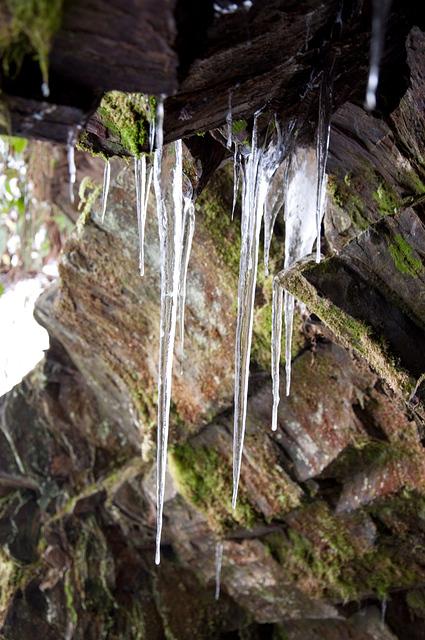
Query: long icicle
{"type": "Point", "coordinates": [188, 231]}
{"type": "Point", "coordinates": [170, 219]}
{"type": "Point", "coordinates": [218, 564]}
{"type": "Point", "coordinates": [72, 169]}
{"type": "Point", "coordinates": [380, 13]}
{"type": "Point", "coordinates": [105, 190]}
{"type": "Point", "coordinates": [251, 221]}
{"type": "Point", "coordinates": [236, 175]}
{"type": "Point", "coordinates": [277, 308]}
{"type": "Point", "coordinates": [229, 122]}
{"type": "Point", "coordinates": [322, 149]}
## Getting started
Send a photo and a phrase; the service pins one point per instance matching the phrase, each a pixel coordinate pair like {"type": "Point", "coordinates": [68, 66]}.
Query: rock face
{"type": "Point", "coordinates": [328, 539]}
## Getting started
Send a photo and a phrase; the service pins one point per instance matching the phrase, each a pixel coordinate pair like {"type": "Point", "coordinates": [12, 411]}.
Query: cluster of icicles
{"type": "Point", "coordinates": [274, 175]}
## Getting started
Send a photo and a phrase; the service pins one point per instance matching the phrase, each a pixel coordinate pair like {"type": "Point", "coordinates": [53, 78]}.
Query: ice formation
{"type": "Point", "coordinates": [322, 149]}
{"type": "Point", "coordinates": [380, 14]}
{"type": "Point", "coordinates": [300, 236]}
{"type": "Point", "coordinates": [258, 169]}
{"type": "Point", "coordinates": [105, 190]}
{"type": "Point", "coordinates": [175, 212]}
{"type": "Point", "coordinates": [218, 563]}
{"type": "Point", "coordinates": [72, 170]}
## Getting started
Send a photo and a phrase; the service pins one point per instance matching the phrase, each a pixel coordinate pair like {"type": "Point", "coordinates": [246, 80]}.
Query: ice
{"type": "Point", "coordinates": [218, 563]}
{"type": "Point", "coordinates": [380, 13]}
{"type": "Point", "coordinates": [168, 190]}
{"type": "Point", "coordinates": [72, 170]}
{"type": "Point", "coordinates": [300, 235]}
{"type": "Point", "coordinates": [229, 122]}
{"type": "Point", "coordinates": [105, 191]}
{"type": "Point", "coordinates": [322, 149]}
{"type": "Point", "coordinates": [188, 231]}
{"type": "Point", "coordinates": [258, 169]}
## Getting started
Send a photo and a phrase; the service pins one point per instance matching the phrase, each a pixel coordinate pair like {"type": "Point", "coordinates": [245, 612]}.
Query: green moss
{"type": "Point", "coordinates": [349, 200]}
{"type": "Point", "coordinates": [31, 29]}
{"type": "Point", "coordinates": [239, 126]}
{"type": "Point", "coordinates": [69, 598]}
{"type": "Point", "coordinates": [350, 332]}
{"type": "Point", "coordinates": [403, 258]}
{"type": "Point", "coordinates": [203, 478]}
{"type": "Point", "coordinates": [416, 601]}
{"type": "Point", "coordinates": [387, 200]}
{"type": "Point", "coordinates": [323, 559]}
{"type": "Point", "coordinates": [88, 192]}
{"type": "Point", "coordinates": [127, 117]}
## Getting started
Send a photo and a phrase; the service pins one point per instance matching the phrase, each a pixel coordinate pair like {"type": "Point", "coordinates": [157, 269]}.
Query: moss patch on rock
{"type": "Point", "coordinates": [351, 333]}
{"type": "Point", "coordinates": [205, 481]}
{"type": "Point", "coordinates": [403, 257]}
{"type": "Point", "coordinates": [30, 30]}
{"type": "Point", "coordinates": [127, 117]}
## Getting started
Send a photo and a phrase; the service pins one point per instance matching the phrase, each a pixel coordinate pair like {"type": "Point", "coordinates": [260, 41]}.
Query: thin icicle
{"type": "Point", "coordinates": [289, 307]}
{"type": "Point", "coordinates": [188, 231]}
{"type": "Point", "coordinates": [218, 563]}
{"type": "Point", "coordinates": [322, 149]}
{"type": "Point", "coordinates": [258, 169]}
{"type": "Point", "coordinates": [277, 305]}
{"type": "Point", "coordinates": [45, 89]}
{"type": "Point", "coordinates": [72, 169]}
{"type": "Point", "coordinates": [105, 191]}
{"type": "Point", "coordinates": [170, 225]}
{"type": "Point", "coordinates": [277, 189]}
{"type": "Point", "coordinates": [229, 122]}
{"type": "Point", "coordinates": [384, 603]}
{"type": "Point", "coordinates": [380, 13]}
{"type": "Point", "coordinates": [236, 176]}
{"type": "Point", "coordinates": [140, 184]}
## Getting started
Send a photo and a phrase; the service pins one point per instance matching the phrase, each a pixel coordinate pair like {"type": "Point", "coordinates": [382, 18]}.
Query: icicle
{"type": "Point", "coordinates": [322, 148]}
{"type": "Point", "coordinates": [72, 170]}
{"type": "Point", "coordinates": [236, 176]}
{"type": "Point", "coordinates": [188, 231]}
{"type": "Point", "coordinates": [142, 194]}
{"type": "Point", "coordinates": [277, 304]}
{"type": "Point", "coordinates": [289, 307]}
{"type": "Point", "coordinates": [251, 221]}
{"type": "Point", "coordinates": [105, 191]}
{"type": "Point", "coordinates": [384, 603]}
{"type": "Point", "coordinates": [218, 563]}
{"type": "Point", "coordinates": [380, 13]}
{"type": "Point", "coordinates": [300, 234]}
{"type": "Point", "coordinates": [45, 90]}
{"type": "Point", "coordinates": [170, 225]}
{"type": "Point", "coordinates": [229, 122]}
{"type": "Point", "coordinates": [277, 189]}
{"type": "Point", "coordinates": [258, 169]}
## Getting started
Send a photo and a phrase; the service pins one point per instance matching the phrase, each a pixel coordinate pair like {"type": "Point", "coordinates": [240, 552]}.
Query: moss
{"type": "Point", "coordinates": [69, 598]}
{"type": "Point", "coordinates": [323, 560]}
{"type": "Point", "coordinates": [403, 258]}
{"type": "Point", "coordinates": [31, 29]}
{"type": "Point", "coordinates": [348, 199]}
{"type": "Point", "coordinates": [416, 602]}
{"type": "Point", "coordinates": [239, 126]}
{"type": "Point", "coordinates": [127, 116]}
{"type": "Point", "coordinates": [10, 578]}
{"type": "Point", "coordinates": [350, 332]}
{"type": "Point", "coordinates": [204, 479]}
{"type": "Point", "coordinates": [386, 199]}
{"type": "Point", "coordinates": [88, 193]}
